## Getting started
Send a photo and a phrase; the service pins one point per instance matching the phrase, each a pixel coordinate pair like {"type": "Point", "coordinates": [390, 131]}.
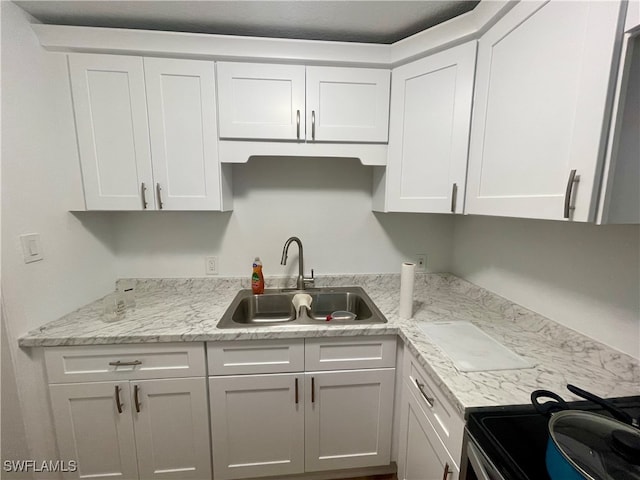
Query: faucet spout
{"type": "Point", "coordinates": [301, 278]}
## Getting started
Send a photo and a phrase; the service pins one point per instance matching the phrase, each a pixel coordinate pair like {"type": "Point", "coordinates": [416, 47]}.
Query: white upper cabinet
{"type": "Point", "coordinates": [347, 104]}
{"type": "Point", "coordinates": [147, 133]}
{"type": "Point", "coordinates": [620, 193]}
{"type": "Point", "coordinates": [543, 85]}
{"type": "Point", "coordinates": [113, 136]}
{"type": "Point", "coordinates": [289, 102]}
{"type": "Point", "coordinates": [261, 101]}
{"type": "Point", "coordinates": [429, 134]}
{"type": "Point", "coordinates": [182, 124]}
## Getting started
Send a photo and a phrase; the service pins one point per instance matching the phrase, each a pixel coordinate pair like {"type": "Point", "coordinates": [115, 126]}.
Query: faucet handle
{"type": "Point", "coordinates": [309, 280]}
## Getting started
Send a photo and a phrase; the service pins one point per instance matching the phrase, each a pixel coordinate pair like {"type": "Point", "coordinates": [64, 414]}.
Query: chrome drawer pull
{"type": "Point", "coordinates": [454, 195]}
{"type": "Point", "coordinates": [159, 193]}
{"type": "Point", "coordinates": [125, 364]}
{"type": "Point", "coordinates": [136, 397]}
{"type": "Point", "coordinates": [143, 192]}
{"type": "Point", "coordinates": [430, 400]}
{"type": "Point", "coordinates": [118, 402]}
{"type": "Point", "coordinates": [573, 179]}
{"type": "Point", "coordinates": [298, 124]}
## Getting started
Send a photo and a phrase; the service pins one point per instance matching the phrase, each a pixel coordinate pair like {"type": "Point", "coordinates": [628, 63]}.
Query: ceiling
{"type": "Point", "coordinates": [350, 21]}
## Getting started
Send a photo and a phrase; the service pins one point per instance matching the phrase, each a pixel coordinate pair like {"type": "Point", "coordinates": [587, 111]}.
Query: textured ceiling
{"type": "Point", "coordinates": [351, 21]}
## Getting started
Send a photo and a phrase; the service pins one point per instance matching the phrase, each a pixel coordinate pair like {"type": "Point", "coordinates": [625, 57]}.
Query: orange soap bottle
{"type": "Point", "coordinates": [257, 279]}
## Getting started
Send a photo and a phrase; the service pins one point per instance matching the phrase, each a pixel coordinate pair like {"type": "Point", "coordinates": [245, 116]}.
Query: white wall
{"type": "Point", "coordinates": [326, 202]}
{"type": "Point", "coordinates": [40, 184]}
{"type": "Point", "coordinates": [583, 276]}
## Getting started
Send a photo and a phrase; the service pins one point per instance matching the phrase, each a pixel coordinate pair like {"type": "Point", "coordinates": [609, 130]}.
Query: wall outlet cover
{"type": "Point", "coordinates": [211, 265]}
{"type": "Point", "coordinates": [421, 262]}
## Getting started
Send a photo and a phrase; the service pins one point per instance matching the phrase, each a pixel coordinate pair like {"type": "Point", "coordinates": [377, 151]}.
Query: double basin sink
{"type": "Point", "coordinates": [275, 308]}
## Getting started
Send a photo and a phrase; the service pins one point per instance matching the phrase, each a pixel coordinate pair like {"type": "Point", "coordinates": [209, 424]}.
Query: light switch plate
{"type": "Point", "coordinates": [31, 247]}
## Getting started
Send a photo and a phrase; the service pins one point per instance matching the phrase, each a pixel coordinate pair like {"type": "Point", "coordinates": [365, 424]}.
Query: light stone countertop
{"type": "Point", "coordinates": [187, 310]}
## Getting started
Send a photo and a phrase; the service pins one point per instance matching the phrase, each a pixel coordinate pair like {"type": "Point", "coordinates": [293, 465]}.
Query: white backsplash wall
{"type": "Point", "coordinates": [586, 277]}
{"type": "Point", "coordinates": [40, 184]}
{"type": "Point", "coordinates": [326, 202]}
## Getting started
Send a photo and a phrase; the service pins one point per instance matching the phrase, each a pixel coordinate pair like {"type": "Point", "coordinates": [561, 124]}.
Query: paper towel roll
{"type": "Point", "coordinates": [407, 275]}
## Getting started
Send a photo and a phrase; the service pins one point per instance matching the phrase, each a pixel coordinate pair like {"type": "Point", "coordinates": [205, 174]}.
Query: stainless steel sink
{"type": "Point", "coordinates": [275, 307]}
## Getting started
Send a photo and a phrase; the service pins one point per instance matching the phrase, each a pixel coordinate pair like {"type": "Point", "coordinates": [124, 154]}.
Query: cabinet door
{"type": "Point", "coordinates": [113, 137]}
{"type": "Point", "coordinates": [261, 101]}
{"type": "Point", "coordinates": [182, 124]}
{"type": "Point", "coordinates": [171, 419]}
{"type": "Point", "coordinates": [347, 104]}
{"type": "Point", "coordinates": [620, 193]}
{"type": "Point", "coordinates": [428, 142]}
{"type": "Point", "coordinates": [91, 430]}
{"type": "Point", "coordinates": [421, 454]}
{"type": "Point", "coordinates": [348, 418]}
{"type": "Point", "coordinates": [542, 96]}
{"type": "Point", "coordinates": [257, 425]}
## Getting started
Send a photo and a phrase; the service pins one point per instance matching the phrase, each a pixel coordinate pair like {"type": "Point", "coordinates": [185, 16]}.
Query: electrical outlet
{"type": "Point", "coordinates": [421, 262]}
{"type": "Point", "coordinates": [211, 265]}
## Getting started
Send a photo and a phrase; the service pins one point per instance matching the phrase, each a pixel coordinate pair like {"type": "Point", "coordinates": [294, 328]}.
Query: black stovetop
{"type": "Point", "coordinates": [515, 437]}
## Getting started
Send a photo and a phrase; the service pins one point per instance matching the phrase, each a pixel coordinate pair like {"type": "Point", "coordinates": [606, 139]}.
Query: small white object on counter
{"type": "Point", "coordinates": [472, 350]}
{"type": "Point", "coordinates": [407, 278]}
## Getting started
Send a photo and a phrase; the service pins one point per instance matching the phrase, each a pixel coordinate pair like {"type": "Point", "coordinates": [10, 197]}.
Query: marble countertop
{"type": "Point", "coordinates": [187, 310]}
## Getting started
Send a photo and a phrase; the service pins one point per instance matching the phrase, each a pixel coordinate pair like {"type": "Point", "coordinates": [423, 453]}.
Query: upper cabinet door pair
{"type": "Point", "coordinates": [294, 102]}
{"type": "Point", "coordinates": [147, 132]}
{"type": "Point", "coordinates": [544, 82]}
{"type": "Point", "coordinates": [544, 78]}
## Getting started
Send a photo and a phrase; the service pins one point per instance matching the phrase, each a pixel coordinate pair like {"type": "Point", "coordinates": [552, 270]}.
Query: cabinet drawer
{"type": "Point", "coordinates": [346, 353]}
{"type": "Point", "coordinates": [441, 414]}
{"type": "Point", "coordinates": [120, 362]}
{"type": "Point", "coordinates": [255, 356]}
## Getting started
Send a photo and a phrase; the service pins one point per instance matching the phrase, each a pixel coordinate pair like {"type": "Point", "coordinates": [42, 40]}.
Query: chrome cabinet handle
{"type": "Point", "coordinates": [313, 390]}
{"type": "Point", "coordinates": [454, 197]}
{"type": "Point", "coordinates": [136, 399]}
{"type": "Point", "coordinates": [120, 363]}
{"type": "Point", "coordinates": [118, 402]}
{"type": "Point", "coordinates": [573, 179]}
{"type": "Point", "coordinates": [159, 194]}
{"type": "Point", "coordinates": [446, 472]}
{"type": "Point", "coordinates": [313, 124]}
{"type": "Point", "coordinates": [430, 400]}
{"type": "Point", "coordinates": [143, 193]}
{"type": "Point", "coordinates": [296, 391]}
{"type": "Point", "coordinates": [298, 124]}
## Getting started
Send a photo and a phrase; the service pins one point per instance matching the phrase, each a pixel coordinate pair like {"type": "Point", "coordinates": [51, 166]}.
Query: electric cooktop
{"type": "Point", "coordinates": [515, 437]}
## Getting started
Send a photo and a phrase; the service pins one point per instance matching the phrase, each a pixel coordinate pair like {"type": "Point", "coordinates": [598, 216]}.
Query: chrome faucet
{"type": "Point", "coordinates": [302, 280]}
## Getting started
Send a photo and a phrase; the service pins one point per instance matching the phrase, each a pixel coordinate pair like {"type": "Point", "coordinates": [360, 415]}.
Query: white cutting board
{"type": "Point", "coordinates": [470, 349]}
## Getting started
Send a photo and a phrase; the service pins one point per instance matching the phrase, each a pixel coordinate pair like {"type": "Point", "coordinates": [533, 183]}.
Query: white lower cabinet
{"type": "Point", "coordinates": [284, 423]}
{"type": "Point", "coordinates": [348, 418]}
{"type": "Point", "coordinates": [422, 455]}
{"type": "Point", "coordinates": [430, 439]}
{"type": "Point", "coordinates": [257, 425]}
{"type": "Point", "coordinates": [90, 430]}
{"type": "Point", "coordinates": [131, 428]}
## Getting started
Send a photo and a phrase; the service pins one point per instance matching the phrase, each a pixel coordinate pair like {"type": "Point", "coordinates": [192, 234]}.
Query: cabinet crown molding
{"type": "Point", "coordinates": [121, 41]}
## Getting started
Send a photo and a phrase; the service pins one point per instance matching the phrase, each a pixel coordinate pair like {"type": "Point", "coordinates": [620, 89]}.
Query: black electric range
{"type": "Point", "coordinates": [514, 438]}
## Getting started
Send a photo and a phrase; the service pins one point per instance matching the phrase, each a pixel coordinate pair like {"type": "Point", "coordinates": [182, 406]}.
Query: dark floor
{"type": "Point", "coordinates": [391, 476]}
